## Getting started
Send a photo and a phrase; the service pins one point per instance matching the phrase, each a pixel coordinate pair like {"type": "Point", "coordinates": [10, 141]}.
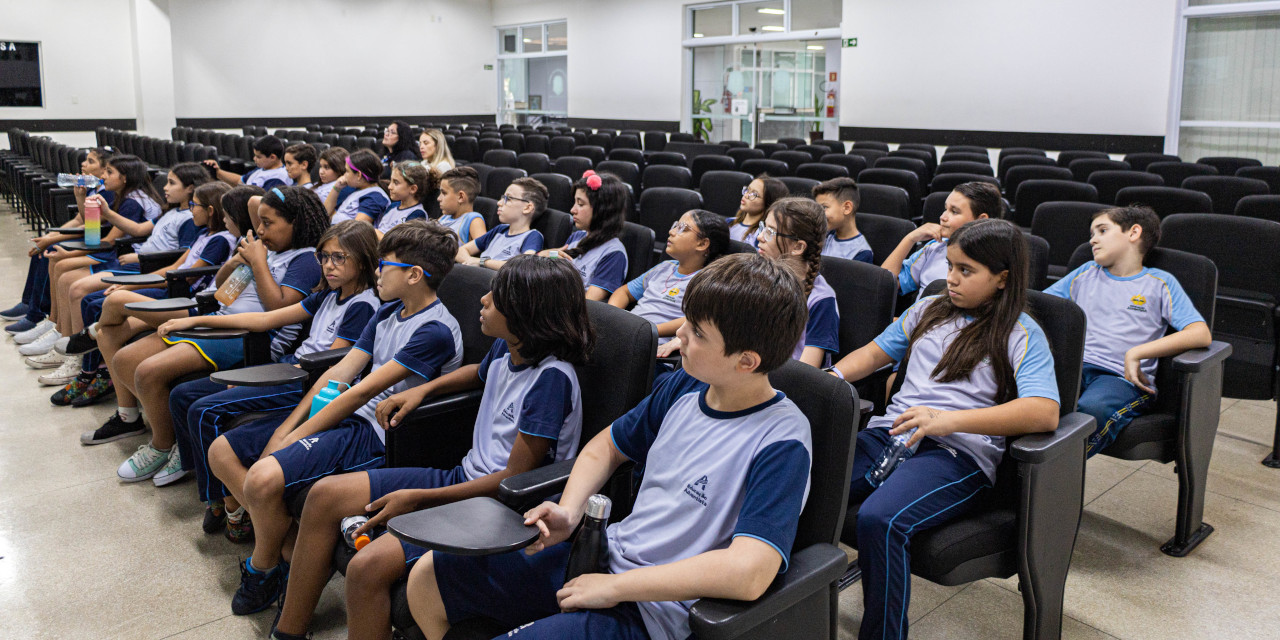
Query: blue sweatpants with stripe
{"type": "Point", "coordinates": [927, 489]}
{"type": "Point", "coordinates": [202, 410]}
{"type": "Point", "coordinates": [1113, 401]}
{"type": "Point", "coordinates": [35, 292]}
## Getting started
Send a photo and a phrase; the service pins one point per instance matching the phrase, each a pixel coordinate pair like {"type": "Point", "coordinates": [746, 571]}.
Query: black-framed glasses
{"type": "Point", "coordinates": [338, 259]}
{"type": "Point", "coordinates": [506, 198]}
{"type": "Point", "coordinates": [768, 233]}
{"type": "Point", "coordinates": [383, 264]}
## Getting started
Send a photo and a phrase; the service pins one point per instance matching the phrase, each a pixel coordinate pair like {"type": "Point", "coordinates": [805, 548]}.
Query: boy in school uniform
{"type": "Point", "coordinates": [1129, 307]}
{"type": "Point", "coordinates": [267, 154]}
{"type": "Point", "coordinates": [839, 198]}
{"type": "Point", "coordinates": [726, 463]}
{"type": "Point", "coordinates": [458, 190]}
{"type": "Point", "coordinates": [524, 200]}
{"type": "Point", "coordinates": [967, 202]}
{"type": "Point", "coordinates": [412, 339]}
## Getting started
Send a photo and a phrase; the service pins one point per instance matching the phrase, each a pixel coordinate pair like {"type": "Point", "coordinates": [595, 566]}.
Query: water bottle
{"type": "Point", "coordinates": [323, 397]}
{"type": "Point", "coordinates": [77, 180]}
{"type": "Point", "coordinates": [893, 455]}
{"type": "Point", "coordinates": [92, 222]}
{"type": "Point", "coordinates": [234, 285]}
{"type": "Point", "coordinates": [348, 528]}
{"type": "Point", "coordinates": [590, 551]}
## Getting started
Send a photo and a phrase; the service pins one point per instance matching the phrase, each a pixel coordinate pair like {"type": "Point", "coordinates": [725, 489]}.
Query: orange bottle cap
{"type": "Point", "coordinates": [361, 541]}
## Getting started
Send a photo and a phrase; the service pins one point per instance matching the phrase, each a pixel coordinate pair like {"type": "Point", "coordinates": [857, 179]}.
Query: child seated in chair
{"type": "Point", "coordinates": [410, 341]}
{"type": "Point", "coordinates": [531, 415]}
{"type": "Point", "coordinates": [268, 157]}
{"type": "Point", "coordinates": [839, 198]}
{"type": "Point", "coordinates": [979, 371]}
{"type": "Point", "coordinates": [1130, 308]}
{"type": "Point", "coordinates": [968, 202]}
{"type": "Point", "coordinates": [600, 204]}
{"type": "Point", "coordinates": [725, 460]}
{"type": "Point", "coordinates": [458, 190]}
{"type": "Point", "coordinates": [524, 200]}
{"type": "Point", "coordinates": [757, 197]}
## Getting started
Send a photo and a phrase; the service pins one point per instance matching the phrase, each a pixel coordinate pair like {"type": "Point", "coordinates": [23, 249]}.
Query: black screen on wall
{"type": "Point", "coordinates": [20, 74]}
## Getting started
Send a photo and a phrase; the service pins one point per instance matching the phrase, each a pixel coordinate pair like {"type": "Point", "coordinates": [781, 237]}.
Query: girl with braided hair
{"type": "Point", "coordinates": [793, 232]}
{"type": "Point", "coordinates": [290, 221]}
{"type": "Point", "coordinates": [600, 203]}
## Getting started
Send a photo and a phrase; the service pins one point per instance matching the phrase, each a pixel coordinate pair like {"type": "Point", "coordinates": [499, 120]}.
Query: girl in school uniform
{"type": "Point", "coordinates": [409, 182]}
{"type": "Point", "coordinates": [331, 166]}
{"type": "Point", "coordinates": [357, 194]}
{"type": "Point", "coordinates": [600, 204]}
{"type": "Point", "coordinates": [979, 371]}
{"type": "Point", "coordinates": [434, 150]}
{"type": "Point", "coordinates": [757, 197]}
{"type": "Point", "coordinates": [696, 240]}
{"type": "Point", "coordinates": [968, 202]}
{"type": "Point", "coordinates": [793, 231]}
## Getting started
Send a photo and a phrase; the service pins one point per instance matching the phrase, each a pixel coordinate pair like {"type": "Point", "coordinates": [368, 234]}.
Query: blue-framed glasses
{"type": "Point", "coordinates": [383, 264]}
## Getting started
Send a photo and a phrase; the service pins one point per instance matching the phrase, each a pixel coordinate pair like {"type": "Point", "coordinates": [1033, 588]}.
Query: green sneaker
{"type": "Point", "coordinates": [144, 463]}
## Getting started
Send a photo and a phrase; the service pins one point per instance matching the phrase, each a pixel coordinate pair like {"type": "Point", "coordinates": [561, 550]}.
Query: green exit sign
{"type": "Point", "coordinates": [850, 42]}
{"type": "Point", "coordinates": [488, 67]}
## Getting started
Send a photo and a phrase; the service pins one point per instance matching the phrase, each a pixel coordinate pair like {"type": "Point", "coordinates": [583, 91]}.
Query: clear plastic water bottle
{"type": "Point", "coordinates": [590, 550]}
{"type": "Point", "coordinates": [234, 285]}
{"type": "Point", "coordinates": [67, 180]}
{"type": "Point", "coordinates": [893, 455]}
{"type": "Point", "coordinates": [348, 528]}
{"type": "Point", "coordinates": [324, 396]}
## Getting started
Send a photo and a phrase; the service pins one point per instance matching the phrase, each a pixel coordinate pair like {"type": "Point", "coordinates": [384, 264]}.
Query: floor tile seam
{"type": "Point", "coordinates": [7, 499]}
{"type": "Point", "coordinates": [939, 605]}
{"type": "Point", "coordinates": [1218, 493]}
{"type": "Point", "coordinates": [1132, 471]}
{"type": "Point", "coordinates": [1239, 438]}
{"type": "Point", "coordinates": [203, 624]}
{"type": "Point", "coordinates": [1001, 584]}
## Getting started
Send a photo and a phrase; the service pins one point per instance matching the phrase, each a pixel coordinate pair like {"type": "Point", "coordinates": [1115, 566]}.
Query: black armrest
{"type": "Point", "coordinates": [70, 231]}
{"type": "Point", "coordinates": [1038, 448]}
{"type": "Point", "coordinates": [170, 304]}
{"type": "Point", "coordinates": [321, 360]}
{"type": "Point", "coordinates": [437, 434]}
{"type": "Point", "coordinates": [865, 407]}
{"type": "Point", "coordinates": [194, 272]}
{"type": "Point", "coordinates": [206, 303]}
{"type": "Point", "coordinates": [156, 260]}
{"type": "Point", "coordinates": [267, 375]}
{"type": "Point", "coordinates": [812, 570]}
{"type": "Point", "coordinates": [1196, 360]}
{"type": "Point", "coordinates": [78, 245]}
{"type": "Point", "coordinates": [128, 241]}
{"type": "Point", "coordinates": [535, 485]}
{"type": "Point", "coordinates": [471, 527]}
{"type": "Point", "coordinates": [206, 333]}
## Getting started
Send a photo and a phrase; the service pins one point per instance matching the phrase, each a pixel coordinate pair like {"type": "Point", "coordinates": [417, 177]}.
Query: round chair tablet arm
{"type": "Point", "coordinates": [267, 375]}
{"type": "Point", "coordinates": [160, 306]}
{"type": "Point", "coordinates": [472, 527]}
{"type": "Point", "coordinates": [75, 245]}
{"type": "Point", "coordinates": [205, 333]}
{"type": "Point", "coordinates": [135, 279]}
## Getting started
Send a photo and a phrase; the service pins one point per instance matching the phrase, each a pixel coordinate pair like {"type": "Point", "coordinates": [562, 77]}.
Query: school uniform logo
{"type": "Point", "coordinates": [697, 490]}
{"type": "Point", "coordinates": [510, 412]}
{"type": "Point", "coordinates": [673, 292]}
{"type": "Point", "coordinates": [1138, 303]}
{"type": "Point", "coordinates": [307, 442]}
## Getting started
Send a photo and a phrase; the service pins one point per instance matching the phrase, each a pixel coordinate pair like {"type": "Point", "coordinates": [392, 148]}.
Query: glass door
{"type": "Point", "coordinates": [724, 96]}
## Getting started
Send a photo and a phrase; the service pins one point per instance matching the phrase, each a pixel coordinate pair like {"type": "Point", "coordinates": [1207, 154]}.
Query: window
{"type": "Point", "coordinates": [20, 74]}
{"type": "Point", "coordinates": [815, 14]}
{"type": "Point", "coordinates": [532, 65]}
{"type": "Point", "coordinates": [713, 22]}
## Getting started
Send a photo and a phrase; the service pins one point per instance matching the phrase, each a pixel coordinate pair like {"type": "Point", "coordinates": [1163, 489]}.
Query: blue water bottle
{"type": "Point", "coordinates": [324, 397]}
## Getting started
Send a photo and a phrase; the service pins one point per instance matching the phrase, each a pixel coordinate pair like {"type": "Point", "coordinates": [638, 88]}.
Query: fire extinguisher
{"type": "Point", "coordinates": [831, 102]}
{"type": "Point", "coordinates": [726, 100]}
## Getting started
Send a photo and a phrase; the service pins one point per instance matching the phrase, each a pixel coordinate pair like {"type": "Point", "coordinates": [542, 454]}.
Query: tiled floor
{"type": "Point", "coordinates": [83, 555]}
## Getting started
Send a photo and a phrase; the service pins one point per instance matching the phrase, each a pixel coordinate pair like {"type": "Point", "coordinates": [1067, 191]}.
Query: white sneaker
{"type": "Point", "coordinates": [144, 463]}
{"type": "Point", "coordinates": [65, 373]}
{"type": "Point", "coordinates": [172, 471]}
{"type": "Point", "coordinates": [61, 345]}
{"type": "Point", "coordinates": [49, 360]}
{"type": "Point", "coordinates": [30, 335]}
{"type": "Point", "coordinates": [42, 345]}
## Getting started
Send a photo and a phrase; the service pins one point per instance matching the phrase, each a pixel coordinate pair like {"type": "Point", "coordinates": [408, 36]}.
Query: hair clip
{"type": "Point", "coordinates": [593, 179]}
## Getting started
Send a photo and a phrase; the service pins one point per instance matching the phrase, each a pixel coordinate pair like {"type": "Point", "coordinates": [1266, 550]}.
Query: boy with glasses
{"type": "Point", "coordinates": [524, 200]}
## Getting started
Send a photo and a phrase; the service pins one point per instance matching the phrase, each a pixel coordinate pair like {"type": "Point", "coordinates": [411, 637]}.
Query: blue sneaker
{"type": "Point", "coordinates": [21, 326]}
{"type": "Point", "coordinates": [15, 312]}
{"type": "Point", "coordinates": [258, 589]}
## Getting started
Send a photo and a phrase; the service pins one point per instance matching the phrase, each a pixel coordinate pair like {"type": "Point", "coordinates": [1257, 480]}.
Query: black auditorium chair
{"type": "Point", "coordinates": [1269, 175]}
{"type": "Point", "coordinates": [1140, 161]}
{"type": "Point", "coordinates": [602, 140]}
{"type": "Point", "coordinates": [771, 148]}
{"type": "Point", "coordinates": [1175, 172]}
{"type": "Point", "coordinates": [919, 146]}
{"type": "Point", "coordinates": [559, 189]}
{"type": "Point", "coordinates": [702, 164]}
{"type": "Point", "coordinates": [874, 145]}
{"type": "Point", "coordinates": [821, 171]}
{"type": "Point", "coordinates": [870, 155]}
{"type": "Point", "coordinates": [488, 209]}
{"type": "Point", "coordinates": [964, 156]}
{"type": "Point", "coordinates": [672, 158]}
{"type": "Point", "coordinates": [635, 156]}
{"type": "Point", "coordinates": [1032, 192]}
{"type": "Point", "coordinates": [1249, 286]}
{"type": "Point", "coordinates": [902, 163]}
{"type": "Point", "coordinates": [1027, 524]}
{"type": "Point", "coordinates": [963, 166]}
{"type": "Point", "coordinates": [799, 187]}
{"type": "Point", "coordinates": [655, 140]}
{"type": "Point", "coordinates": [854, 164]}
{"type": "Point", "coordinates": [561, 146]}
{"type": "Point", "coordinates": [1065, 158]}
{"type": "Point", "coordinates": [571, 166]}
{"type": "Point", "coordinates": [499, 178]}
{"type": "Point", "coordinates": [1109, 183]}
{"type": "Point", "coordinates": [465, 149]}
{"type": "Point", "coordinates": [1065, 226]}
{"type": "Point", "coordinates": [534, 162]}
{"type": "Point", "coordinates": [666, 175]}
{"type": "Point", "coordinates": [627, 172]}
{"type": "Point", "coordinates": [1037, 261]}
{"type": "Point", "coordinates": [537, 143]}
{"type": "Point", "coordinates": [793, 158]}
{"type": "Point", "coordinates": [929, 158]}
{"type": "Point", "coordinates": [757, 166]}
{"type": "Point", "coordinates": [595, 153]}
{"type": "Point", "coordinates": [1226, 191]}
{"type": "Point", "coordinates": [1008, 162]}
{"type": "Point", "coordinates": [792, 143]}
{"type": "Point", "coordinates": [554, 225]}
{"type": "Point", "coordinates": [741, 155]}
{"type": "Point", "coordinates": [883, 233]}
{"type": "Point", "coordinates": [1181, 427]}
{"type": "Point", "coordinates": [865, 299]}
{"type": "Point", "coordinates": [513, 142]}
{"type": "Point", "coordinates": [639, 242]}
{"type": "Point", "coordinates": [1166, 201]}
{"type": "Point", "coordinates": [1228, 166]}
{"type": "Point", "coordinates": [662, 206]}
{"type": "Point", "coordinates": [833, 146]}
{"type": "Point", "coordinates": [934, 204]}
{"type": "Point", "coordinates": [499, 158]}
{"type": "Point", "coordinates": [946, 182]}
{"type": "Point", "coordinates": [626, 141]}
{"type": "Point", "coordinates": [722, 191]}
{"type": "Point", "coordinates": [1084, 167]}
{"type": "Point", "coordinates": [1261, 207]}
{"type": "Point", "coordinates": [900, 178]}
{"type": "Point", "coordinates": [886, 200]}
{"type": "Point", "coordinates": [815, 150]}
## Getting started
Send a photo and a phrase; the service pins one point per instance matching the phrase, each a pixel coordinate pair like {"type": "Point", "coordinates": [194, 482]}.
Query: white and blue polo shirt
{"type": "Point", "coordinates": [296, 269]}
{"type": "Point", "coordinates": [427, 343]}
{"type": "Point", "coordinates": [461, 225]}
{"type": "Point", "coordinates": [604, 266]}
{"type": "Point", "coordinates": [333, 317]}
{"type": "Point", "coordinates": [709, 477]}
{"type": "Point", "coordinates": [394, 215]}
{"type": "Point", "coordinates": [855, 248]}
{"type": "Point", "coordinates": [371, 201]}
{"type": "Point", "coordinates": [1125, 312]}
{"type": "Point", "coordinates": [322, 189]}
{"type": "Point", "coordinates": [539, 399]}
{"type": "Point", "coordinates": [267, 178]}
{"type": "Point", "coordinates": [214, 249]}
{"type": "Point", "coordinates": [743, 232]}
{"type": "Point", "coordinates": [659, 293]}
{"type": "Point", "coordinates": [174, 230]}
{"type": "Point", "coordinates": [822, 329]}
{"type": "Point", "coordinates": [924, 266]}
{"type": "Point", "coordinates": [497, 244]}
{"type": "Point", "coordinates": [1029, 355]}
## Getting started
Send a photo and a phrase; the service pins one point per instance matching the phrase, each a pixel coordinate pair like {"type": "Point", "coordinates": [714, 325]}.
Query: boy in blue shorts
{"type": "Point", "coordinates": [1130, 308]}
{"type": "Point", "coordinates": [839, 198]}
{"type": "Point", "coordinates": [411, 340]}
{"type": "Point", "coordinates": [726, 472]}
{"type": "Point", "coordinates": [268, 154]}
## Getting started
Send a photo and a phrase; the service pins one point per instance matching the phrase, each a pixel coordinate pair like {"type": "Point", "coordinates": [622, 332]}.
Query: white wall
{"type": "Point", "coordinates": [625, 58]}
{"type": "Point", "coordinates": [245, 58]}
{"type": "Point", "coordinates": [1059, 66]}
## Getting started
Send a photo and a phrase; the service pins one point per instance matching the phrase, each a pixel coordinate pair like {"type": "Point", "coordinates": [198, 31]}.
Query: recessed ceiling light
{"type": "Point", "coordinates": [528, 40]}
{"type": "Point", "coordinates": [698, 35]}
{"type": "Point", "coordinates": [772, 12]}
{"type": "Point", "coordinates": [771, 28]}
{"type": "Point", "coordinates": [815, 47]}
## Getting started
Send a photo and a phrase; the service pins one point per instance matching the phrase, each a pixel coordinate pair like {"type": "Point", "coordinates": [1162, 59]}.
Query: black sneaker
{"type": "Point", "coordinates": [80, 344]}
{"type": "Point", "coordinates": [113, 429]}
{"type": "Point", "coordinates": [258, 590]}
{"type": "Point", "coordinates": [70, 393]}
{"type": "Point", "coordinates": [99, 389]}
{"type": "Point", "coordinates": [215, 517]}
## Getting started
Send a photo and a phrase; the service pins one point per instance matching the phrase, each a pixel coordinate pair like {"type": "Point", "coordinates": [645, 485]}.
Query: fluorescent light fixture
{"type": "Point", "coordinates": [771, 28]}
{"type": "Point", "coordinates": [698, 35]}
{"type": "Point", "coordinates": [772, 12]}
{"type": "Point", "coordinates": [528, 40]}
{"type": "Point", "coordinates": [815, 47]}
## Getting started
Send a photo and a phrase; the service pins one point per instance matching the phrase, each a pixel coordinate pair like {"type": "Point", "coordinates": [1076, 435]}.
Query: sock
{"type": "Point", "coordinates": [237, 515]}
{"type": "Point", "coordinates": [129, 414]}
{"type": "Point", "coordinates": [252, 569]}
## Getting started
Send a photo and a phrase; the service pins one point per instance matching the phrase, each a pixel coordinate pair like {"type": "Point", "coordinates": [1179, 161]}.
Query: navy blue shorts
{"type": "Point", "coordinates": [516, 589]}
{"type": "Point", "coordinates": [352, 445]}
{"type": "Point", "coordinates": [384, 481]}
{"type": "Point", "coordinates": [249, 439]}
{"type": "Point", "coordinates": [220, 353]}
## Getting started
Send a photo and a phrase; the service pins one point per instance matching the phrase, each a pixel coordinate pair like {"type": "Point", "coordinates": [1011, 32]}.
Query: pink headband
{"type": "Point", "coordinates": [353, 168]}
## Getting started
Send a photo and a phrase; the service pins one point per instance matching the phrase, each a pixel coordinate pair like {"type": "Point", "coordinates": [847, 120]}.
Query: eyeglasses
{"type": "Point", "coordinates": [383, 264]}
{"type": "Point", "coordinates": [506, 198]}
{"type": "Point", "coordinates": [749, 194]}
{"type": "Point", "coordinates": [680, 226]}
{"type": "Point", "coordinates": [338, 259]}
{"type": "Point", "coordinates": [767, 234]}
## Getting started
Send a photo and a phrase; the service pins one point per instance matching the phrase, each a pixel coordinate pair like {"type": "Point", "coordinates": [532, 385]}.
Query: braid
{"type": "Point", "coordinates": [813, 265]}
{"type": "Point", "coordinates": [806, 220]}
